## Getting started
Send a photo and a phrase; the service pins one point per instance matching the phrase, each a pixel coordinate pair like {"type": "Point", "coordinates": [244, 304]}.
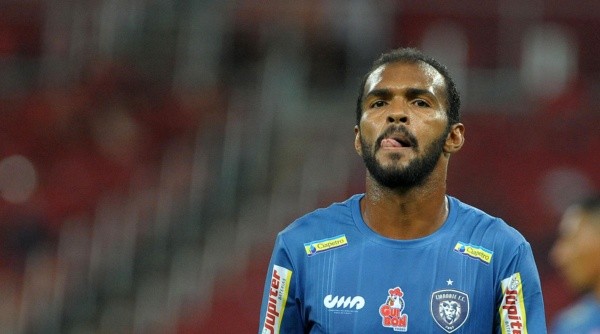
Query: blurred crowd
{"type": "Point", "coordinates": [177, 137]}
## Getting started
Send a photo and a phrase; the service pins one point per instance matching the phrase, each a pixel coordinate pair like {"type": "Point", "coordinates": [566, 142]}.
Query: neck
{"type": "Point", "coordinates": [406, 213]}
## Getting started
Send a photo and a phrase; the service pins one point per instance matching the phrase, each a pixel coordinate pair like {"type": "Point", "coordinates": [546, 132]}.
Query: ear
{"type": "Point", "coordinates": [455, 139]}
{"type": "Point", "coordinates": [357, 145]}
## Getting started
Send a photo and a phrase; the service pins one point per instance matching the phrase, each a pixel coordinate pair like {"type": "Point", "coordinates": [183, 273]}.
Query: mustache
{"type": "Point", "coordinates": [398, 130]}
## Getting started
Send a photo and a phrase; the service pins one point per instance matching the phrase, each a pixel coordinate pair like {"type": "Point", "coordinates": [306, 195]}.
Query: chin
{"type": "Point", "coordinates": [579, 287]}
{"type": "Point", "coordinates": [393, 161]}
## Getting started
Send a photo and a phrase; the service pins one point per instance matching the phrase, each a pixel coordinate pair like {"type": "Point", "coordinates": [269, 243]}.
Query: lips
{"type": "Point", "coordinates": [397, 138]}
{"type": "Point", "coordinates": [394, 142]}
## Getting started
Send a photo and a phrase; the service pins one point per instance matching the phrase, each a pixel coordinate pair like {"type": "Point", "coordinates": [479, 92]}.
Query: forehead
{"type": "Point", "coordinates": [402, 75]}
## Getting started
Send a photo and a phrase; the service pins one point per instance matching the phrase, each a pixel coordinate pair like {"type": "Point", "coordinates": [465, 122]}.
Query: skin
{"type": "Point", "coordinates": [414, 97]}
{"type": "Point", "coordinates": [577, 249]}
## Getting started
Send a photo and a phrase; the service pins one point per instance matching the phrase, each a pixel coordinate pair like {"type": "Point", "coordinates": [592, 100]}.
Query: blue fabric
{"type": "Point", "coordinates": [581, 318]}
{"type": "Point", "coordinates": [475, 274]}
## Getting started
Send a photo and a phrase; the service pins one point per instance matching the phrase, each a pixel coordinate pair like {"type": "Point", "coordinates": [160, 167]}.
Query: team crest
{"type": "Point", "coordinates": [450, 309]}
{"type": "Point", "coordinates": [391, 311]}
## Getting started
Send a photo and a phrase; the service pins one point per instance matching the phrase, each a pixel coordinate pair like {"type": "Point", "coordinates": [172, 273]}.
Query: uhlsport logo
{"type": "Point", "coordinates": [343, 304]}
{"type": "Point", "coordinates": [391, 311]}
{"type": "Point", "coordinates": [450, 309]}
{"type": "Point", "coordinates": [278, 291]}
{"type": "Point", "coordinates": [474, 252]}
{"type": "Point", "coordinates": [513, 319]}
{"type": "Point", "coordinates": [315, 247]}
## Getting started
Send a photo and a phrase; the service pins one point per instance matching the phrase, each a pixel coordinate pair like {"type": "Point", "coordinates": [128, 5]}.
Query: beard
{"type": "Point", "coordinates": [412, 175]}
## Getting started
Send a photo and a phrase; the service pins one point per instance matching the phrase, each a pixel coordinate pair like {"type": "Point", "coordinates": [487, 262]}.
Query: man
{"type": "Point", "coordinates": [391, 259]}
{"type": "Point", "coordinates": [576, 253]}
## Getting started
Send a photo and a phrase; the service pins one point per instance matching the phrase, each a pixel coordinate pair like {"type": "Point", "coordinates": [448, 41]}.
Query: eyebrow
{"type": "Point", "coordinates": [386, 93]}
{"type": "Point", "coordinates": [416, 92]}
{"type": "Point", "coordinates": [383, 93]}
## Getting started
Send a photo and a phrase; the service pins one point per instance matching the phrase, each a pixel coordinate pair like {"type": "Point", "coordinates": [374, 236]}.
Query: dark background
{"type": "Point", "coordinates": [151, 150]}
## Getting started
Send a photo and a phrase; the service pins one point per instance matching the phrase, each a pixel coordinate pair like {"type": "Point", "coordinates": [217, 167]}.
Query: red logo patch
{"type": "Point", "coordinates": [391, 311]}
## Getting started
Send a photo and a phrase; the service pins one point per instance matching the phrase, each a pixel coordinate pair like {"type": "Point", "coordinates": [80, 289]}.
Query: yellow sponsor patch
{"type": "Point", "coordinates": [278, 294]}
{"type": "Point", "coordinates": [474, 251]}
{"type": "Point", "coordinates": [315, 247]}
{"type": "Point", "coordinates": [513, 319]}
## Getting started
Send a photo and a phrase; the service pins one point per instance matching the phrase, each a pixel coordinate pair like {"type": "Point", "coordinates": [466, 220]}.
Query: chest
{"type": "Point", "coordinates": [431, 289]}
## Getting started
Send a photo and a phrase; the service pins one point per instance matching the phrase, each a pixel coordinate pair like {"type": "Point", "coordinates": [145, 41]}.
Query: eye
{"type": "Point", "coordinates": [378, 104]}
{"type": "Point", "coordinates": [421, 103]}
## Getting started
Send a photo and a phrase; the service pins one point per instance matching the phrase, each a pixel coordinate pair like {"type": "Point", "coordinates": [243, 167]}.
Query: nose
{"type": "Point", "coordinates": [398, 115]}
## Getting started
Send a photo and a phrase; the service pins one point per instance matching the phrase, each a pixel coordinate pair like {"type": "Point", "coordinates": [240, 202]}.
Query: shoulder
{"type": "Point", "coordinates": [323, 221]}
{"type": "Point", "coordinates": [579, 316]}
{"type": "Point", "coordinates": [485, 225]}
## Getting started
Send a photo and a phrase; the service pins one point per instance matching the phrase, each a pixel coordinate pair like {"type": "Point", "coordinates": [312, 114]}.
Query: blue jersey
{"type": "Point", "coordinates": [330, 273]}
{"type": "Point", "coordinates": [581, 318]}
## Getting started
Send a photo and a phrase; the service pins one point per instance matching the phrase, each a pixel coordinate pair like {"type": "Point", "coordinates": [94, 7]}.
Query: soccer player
{"type": "Point", "coordinates": [404, 256]}
{"type": "Point", "coordinates": [577, 254]}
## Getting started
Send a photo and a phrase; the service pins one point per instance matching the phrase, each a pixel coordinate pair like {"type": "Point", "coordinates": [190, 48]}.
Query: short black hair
{"type": "Point", "coordinates": [590, 204]}
{"type": "Point", "coordinates": [412, 56]}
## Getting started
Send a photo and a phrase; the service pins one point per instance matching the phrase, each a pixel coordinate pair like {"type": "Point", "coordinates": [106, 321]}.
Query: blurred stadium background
{"type": "Point", "coordinates": [150, 150]}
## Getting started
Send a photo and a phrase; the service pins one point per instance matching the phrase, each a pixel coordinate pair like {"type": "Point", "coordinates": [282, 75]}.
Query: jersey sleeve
{"type": "Point", "coordinates": [521, 305]}
{"type": "Point", "coordinates": [280, 310]}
